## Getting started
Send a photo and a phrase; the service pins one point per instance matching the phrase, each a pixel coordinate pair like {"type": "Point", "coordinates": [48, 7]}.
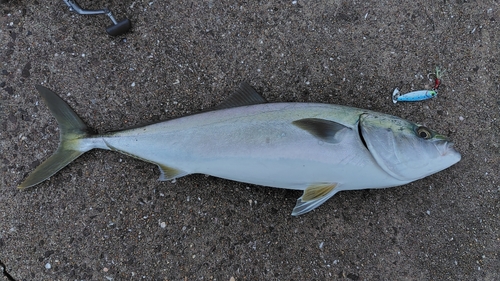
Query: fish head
{"type": "Point", "coordinates": [405, 150]}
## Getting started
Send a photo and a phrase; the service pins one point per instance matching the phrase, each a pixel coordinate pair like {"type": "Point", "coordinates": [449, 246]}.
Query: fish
{"type": "Point", "coordinates": [320, 149]}
{"type": "Point", "coordinates": [419, 95]}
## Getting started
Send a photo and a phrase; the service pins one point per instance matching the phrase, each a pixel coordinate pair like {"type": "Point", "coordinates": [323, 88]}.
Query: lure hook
{"type": "Point", "coordinates": [436, 75]}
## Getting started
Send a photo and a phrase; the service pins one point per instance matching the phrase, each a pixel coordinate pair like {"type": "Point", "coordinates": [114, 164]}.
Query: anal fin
{"type": "Point", "coordinates": [314, 196]}
{"type": "Point", "coordinates": [166, 172]}
{"type": "Point", "coordinates": [169, 173]}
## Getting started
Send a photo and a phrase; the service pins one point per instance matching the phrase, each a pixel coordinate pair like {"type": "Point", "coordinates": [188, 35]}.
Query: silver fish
{"type": "Point", "coordinates": [318, 148]}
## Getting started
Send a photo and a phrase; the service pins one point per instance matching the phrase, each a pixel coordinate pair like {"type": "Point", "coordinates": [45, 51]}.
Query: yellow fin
{"type": "Point", "coordinates": [50, 166]}
{"type": "Point", "coordinates": [314, 195]}
{"type": "Point", "coordinates": [71, 130]}
{"type": "Point", "coordinates": [317, 191]}
{"type": "Point", "coordinates": [169, 173]}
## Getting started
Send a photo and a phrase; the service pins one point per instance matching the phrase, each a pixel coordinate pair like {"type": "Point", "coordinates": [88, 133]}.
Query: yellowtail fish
{"type": "Point", "coordinates": [318, 148]}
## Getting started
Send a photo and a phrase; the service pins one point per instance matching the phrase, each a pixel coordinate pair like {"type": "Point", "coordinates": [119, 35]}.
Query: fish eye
{"type": "Point", "coordinates": [423, 132]}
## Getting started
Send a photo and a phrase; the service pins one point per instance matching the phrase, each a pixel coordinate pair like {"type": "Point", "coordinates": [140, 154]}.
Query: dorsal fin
{"type": "Point", "coordinates": [324, 130]}
{"type": "Point", "coordinates": [244, 95]}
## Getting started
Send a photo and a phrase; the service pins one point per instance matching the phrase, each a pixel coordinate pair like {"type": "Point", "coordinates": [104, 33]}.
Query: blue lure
{"type": "Point", "coordinates": [413, 96]}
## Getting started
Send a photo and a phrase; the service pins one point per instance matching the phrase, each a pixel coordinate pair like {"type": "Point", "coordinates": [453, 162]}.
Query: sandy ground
{"type": "Point", "coordinates": [106, 217]}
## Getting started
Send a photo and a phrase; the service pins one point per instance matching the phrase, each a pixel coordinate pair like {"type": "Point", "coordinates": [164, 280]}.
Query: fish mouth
{"type": "Point", "coordinates": [444, 147]}
{"type": "Point", "coordinates": [448, 149]}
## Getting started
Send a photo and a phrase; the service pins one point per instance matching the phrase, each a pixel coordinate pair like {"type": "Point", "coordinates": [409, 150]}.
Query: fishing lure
{"type": "Point", "coordinates": [421, 94]}
{"type": "Point", "coordinates": [413, 96]}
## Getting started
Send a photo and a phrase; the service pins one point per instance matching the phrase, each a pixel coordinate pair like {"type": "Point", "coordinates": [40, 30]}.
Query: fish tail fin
{"type": "Point", "coordinates": [72, 131]}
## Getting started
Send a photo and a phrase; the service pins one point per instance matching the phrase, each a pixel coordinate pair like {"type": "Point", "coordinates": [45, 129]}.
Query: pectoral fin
{"type": "Point", "coordinates": [325, 130]}
{"type": "Point", "coordinates": [314, 196]}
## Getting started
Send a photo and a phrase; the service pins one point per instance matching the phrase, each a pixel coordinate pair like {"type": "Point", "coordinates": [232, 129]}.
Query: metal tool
{"type": "Point", "coordinates": [117, 28]}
